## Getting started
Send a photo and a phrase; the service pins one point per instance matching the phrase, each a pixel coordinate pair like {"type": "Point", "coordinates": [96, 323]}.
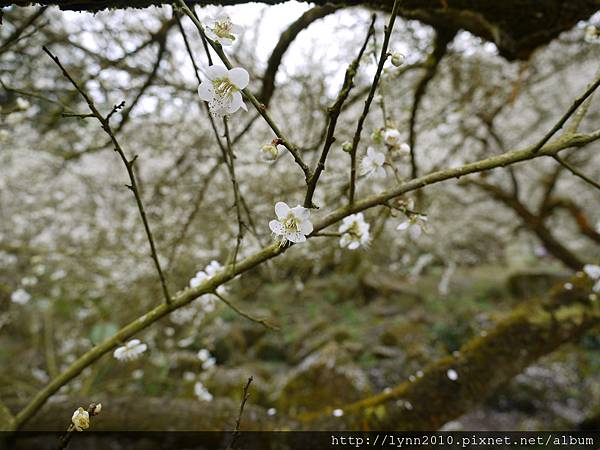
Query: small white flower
{"type": "Point", "coordinates": [592, 34]}
{"type": "Point", "coordinates": [372, 163]}
{"type": "Point", "coordinates": [593, 271]}
{"type": "Point", "coordinates": [201, 392]}
{"type": "Point", "coordinates": [222, 89]}
{"type": "Point", "coordinates": [452, 374]}
{"type": "Point", "coordinates": [130, 351]}
{"type": "Point", "coordinates": [23, 104]}
{"type": "Point", "coordinates": [209, 363]}
{"type": "Point", "coordinates": [391, 136]}
{"type": "Point", "coordinates": [97, 409]}
{"type": "Point", "coordinates": [355, 232]}
{"type": "Point", "coordinates": [203, 354]}
{"type": "Point", "coordinates": [292, 224]}
{"type": "Point", "coordinates": [81, 419]}
{"type": "Point", "coordinates": [20, 296]}
{"type": "Point", "coordinates": [269, 152]}
{"type": "Point", "coordinates": [338, 412]}
{"type": "Point", "coordinates": [414, 225]}
{"type": "Point", "coordinates": [29, 281]}
{"type": "Point", "coordinates": [223, 30]}
{"type": "Point", "coordinates": [271, 411]}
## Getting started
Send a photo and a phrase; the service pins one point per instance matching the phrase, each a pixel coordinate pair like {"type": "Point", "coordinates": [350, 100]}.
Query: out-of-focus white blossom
{"type": "Point", "coordinates": [20, 296]}
{"type": "Point", "coordinates": [398, 59]}
{"type": "Point", "coordinates": [207, 360]}
{"type": "Point", "coordinates": [223, 30]}
{"type": "Point", "coordinates": [223, 88]}
{"type": "Point", "coordinates": [415, 225]}
{"type": "Point", "coordinates": [337, 412]}
{"type": "Point", "coordinates": [201, 392]}
{"type": "Point", "coordinates": [23, 104]}
{"type": "Point", "coordinates": [452, 374]}
{"type": "Point", "coordinates": [593, 271]}
{"type": "Point", "coordinates": [592, 34]}
{"type": "Point", "coordinates": [355, 232]}
{"type": "Point", "coordinates": [372, 163]}
{"type": "Point", "coordinates": [130, 351]}
{"type": "Point", "coordinates": [292, 224]}
{"type": "Point", "coordinates": [81, 419]}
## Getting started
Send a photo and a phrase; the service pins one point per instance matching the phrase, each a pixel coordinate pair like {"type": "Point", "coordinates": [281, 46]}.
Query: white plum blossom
{"type": "Point", "coordinates": [207, 360]}
{"type": "Point", "coordinates": [201, 392]}
{"type": "Point", "coordinates": [81, 419]}
{"type": "Point", "coordinates": [372, 163]}
{"type": "Point", "coordinates": [593, 271]}
{"type": "Point", "coordinates": [222, 89]}
{"type": "Point", "coordinates": [223, 30]}
{"type": "Point", "coordinates": [292, 224]}
{"type": "Point", "coordinates": [355, 232]}
{"type": "Point", "coordinates": [415, 225]}
{"type": "Point", "coordinates": [208, 302]}
{"type": "Point", "coordinates": [130, 351]}
{"type": "Point", "coordinates": [391, 136]}
{"type": "Point", "coordinates": [23, 104]}
{"type": "Point", "coordinates": [337, 412]}
{"type": "Point", "coordinates": [20, 296]}
{"type": "Point", "coordinates": [404, 148]}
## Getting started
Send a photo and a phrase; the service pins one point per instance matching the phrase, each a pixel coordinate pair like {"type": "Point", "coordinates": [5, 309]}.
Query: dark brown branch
{"type": "Point", "coordinates": [442, 38]}
{"type": "Point", "coordinates": [236, 431]}
{"type": "Point", "coordinates": [334, 113]}
{"type": "Point", "coordinates": [285, 40]}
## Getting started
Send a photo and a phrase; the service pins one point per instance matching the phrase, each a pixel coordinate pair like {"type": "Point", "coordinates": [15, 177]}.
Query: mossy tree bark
{"type": "Point", "coordinates": [482, 366]}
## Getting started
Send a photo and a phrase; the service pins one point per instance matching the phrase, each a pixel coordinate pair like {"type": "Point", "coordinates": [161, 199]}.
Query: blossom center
{"type": "Point", "coordinates": [222, 28]}
{"type": "Point", "coordinates": [291, 224]}
{"type": "Point", "coordinates": [224, 88]}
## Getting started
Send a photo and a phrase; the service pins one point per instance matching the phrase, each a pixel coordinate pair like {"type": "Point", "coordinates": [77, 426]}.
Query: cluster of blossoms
{"type": "Point", "coordinates": [201, 392]}
{"type": "Point", "coordinates": [81, 418]}
{"type": "Point", "coordinates": [354, 231]}
{"type": "Point", "coordinates": [223, 86]}
{"type": "Point", "coordinates": [20, 296]}
{"type": "Point", "coordinates": [208, 301]}
{"type": "Point", "coordinates": [130, 351]}
{"type": "Point", "coordinates": [593, 271]}
{"type": "Point", "coordinates": [208, 361]}
{"type": "Point", "coordinates": [292, 224]}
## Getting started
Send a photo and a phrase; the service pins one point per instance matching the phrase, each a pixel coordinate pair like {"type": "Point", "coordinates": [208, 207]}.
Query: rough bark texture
{"type": "Point", "coordinates": [516, 26]}
{"type": "Point", "coordinates": [482, 366]}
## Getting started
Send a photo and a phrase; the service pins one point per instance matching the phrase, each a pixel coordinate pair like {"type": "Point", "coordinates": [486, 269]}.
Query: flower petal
{"type": "Point", "coordinates": [216, 71]}
{"type": "Point", "coordinates": [282, 210]}
{"type": "Point", "coordinates": [236, 103]}
{"type": "Point", "coordinates": [300, 212]}
{"type": "Point", "coordinates": [296, 238]}
{"type": "Point", "coordinates": [205, 91]}
{"type": "Point", "coordinates": [306, 227]}
{"type": "Point", "coordinates": [276, 227]}
{"type": "Point", "coordinates": [239, 77]}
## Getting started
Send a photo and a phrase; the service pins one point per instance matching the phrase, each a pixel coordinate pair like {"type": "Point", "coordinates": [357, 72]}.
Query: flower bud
{"type": "Point", "coordinates": [347, 146]}
{"type": "Point", "coordinates": [269, 152]}
{"type": "Point", "coordinates": [397, 59]}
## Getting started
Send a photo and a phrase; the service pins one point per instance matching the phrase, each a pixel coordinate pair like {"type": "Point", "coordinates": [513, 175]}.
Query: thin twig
{"type": "Point", "coordinates": [236, 432]}
{"type": "Point", "coordinates": [245, 315]}
{"type": "Point", "coordinates": [129, 163]}
{"type": "Point", "coordinates": [382, 58]}
{"type": "Point", "coordinates": [578, 101]}
{"type": "Point", "coordinates": [575, 171]}
{"type": "Point", "coordinates": [334, 113]}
